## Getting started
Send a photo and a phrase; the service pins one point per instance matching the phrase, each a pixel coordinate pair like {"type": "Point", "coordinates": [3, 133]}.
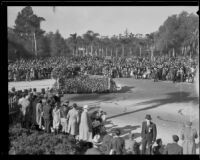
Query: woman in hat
{"type": "Point", "coordinates": [188, 135]}
{"type": "Point", "coordinates": [85, 125]}
{"type": "Point", "coordinates": [56, 117]}
{"type": "Point", "coordinates": [39, 112]}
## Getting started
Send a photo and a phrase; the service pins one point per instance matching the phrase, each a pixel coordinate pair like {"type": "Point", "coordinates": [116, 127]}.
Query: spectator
{"type": "Point", "coordinates": [63, 114]}
{"type": "Point", "coordinates": [73, 120]}
{"type": "Point", "coordinates": [106, 143]}
{"type": "Point", "coordinates": [85, 127]}
{"type": "Point", "coordinates": [56, 117]}
{"type": "Point", "coordinates": [25, 112]}
{"type": "Point", "coordinates": [47, 110]}
{"type": "Point", "coordinates": [132, 146]}
{"type": "Point", "coordinates": [188, 136]}
{"type": "Point", "coordinates": [95, 149]}
{"type": "Point", "coordinates": [148, 134]}
{"type": "Point", "coordinates": [173, 148]}
{"type": "Point", "coordinates": [39, 113]}
{"type": "Point", "coordinates": [158, 148]}
{"type": "Point", "coordinates": [118, 143]}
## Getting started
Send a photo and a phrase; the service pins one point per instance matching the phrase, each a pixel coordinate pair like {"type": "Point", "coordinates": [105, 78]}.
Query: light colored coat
{"type": "Point", "coordinates": [188, 136]}
{"type": "Point", "coordinates": [39, 114]}
{"type": "Point", "coordinates": [85, 127]}
{"type": "Point", "coordinates": [25, 103]}
{"type": "Point", "coordinates": [73, 120]}
{"type": "Point", "coordinates": [56, 118]}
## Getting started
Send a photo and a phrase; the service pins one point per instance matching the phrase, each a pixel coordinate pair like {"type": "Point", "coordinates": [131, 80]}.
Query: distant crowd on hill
{"type": "Point", "coordinates": [179, 69]}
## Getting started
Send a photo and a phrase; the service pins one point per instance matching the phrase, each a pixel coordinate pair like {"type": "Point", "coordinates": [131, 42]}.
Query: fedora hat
{"type": "Point", "coordinates": [148, 117]}
{"type": "Point", "coordinates": [74, 105]}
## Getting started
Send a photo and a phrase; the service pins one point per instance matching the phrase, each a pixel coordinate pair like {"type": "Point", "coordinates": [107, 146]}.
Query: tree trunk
{"type": "Point", "coordinates": [35, 42]}
{"type": "Point", "coordinates": [92, 50]}
{"type": "Point", "coordinates": [123, 50]}
{"type": "Point", "coordinates": [106, 52]}
{"type": "Point", "coordinates": [152, 54]}
{"type": "Point", "coordinates": [116, 52]}
{"type": "Point", "coordinates": [140, 51]}
{"type": "Point", "coordinates": [173, 52]}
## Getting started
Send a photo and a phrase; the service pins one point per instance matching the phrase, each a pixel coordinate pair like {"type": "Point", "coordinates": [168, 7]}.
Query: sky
{"type": "Point", "coordinates": [103, 20]}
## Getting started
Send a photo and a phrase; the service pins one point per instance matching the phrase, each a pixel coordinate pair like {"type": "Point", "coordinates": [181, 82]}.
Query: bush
{"type": "Point", "coordinates": [23, 141]}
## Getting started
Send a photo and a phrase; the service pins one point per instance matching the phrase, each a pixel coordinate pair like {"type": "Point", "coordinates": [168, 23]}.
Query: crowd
{"type": "Point", "coordinates": [176, 69]}
{"type": "Point", "coordinates": [44, 111]}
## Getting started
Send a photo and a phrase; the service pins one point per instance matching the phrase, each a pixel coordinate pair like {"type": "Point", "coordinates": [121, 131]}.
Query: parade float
{"type": "Point", "coordinates": [71, 80]}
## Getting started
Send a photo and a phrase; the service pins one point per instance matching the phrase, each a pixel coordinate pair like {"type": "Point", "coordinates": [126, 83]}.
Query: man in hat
{"type": "Point", "coordinates": [188, 135]}
{"type": "Point", "coordinates": [106, 142]}
{"type": "Point", "coordinates": [63, 114]}
{"type": "Point", "coordinates": [34, 91]}
{"type": "Point", "coordinates": [47, 112]}
{"type": "Point", "coordinates": [95, 149]}
{"type": "Point", "coordinates": [13, 90]}
{"type": "Point", "coordinates": [85, 127]}
{"type": "Point", "coordinates": [173, 148]}
{"type": "Point", "coordinates": [73, 120]}
{"type": "Point", "coordinates": [118, 143]}
{"type": "Point", "coordinates": [148, 134]}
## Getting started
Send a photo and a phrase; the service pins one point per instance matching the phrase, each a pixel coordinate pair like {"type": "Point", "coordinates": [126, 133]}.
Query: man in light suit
{"type": "Point", "coordinates": [148, 134]}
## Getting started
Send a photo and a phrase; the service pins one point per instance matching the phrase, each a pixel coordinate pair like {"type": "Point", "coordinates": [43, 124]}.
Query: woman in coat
{"type": "Point", "coordinates": [73, 120]}
{"type": "Point", "coordinates": [85, 129]}
{"type": "Point", "coordinates": [56, 117]}
{"type": "Point", "coordinates": [188, 136]}
{"type": "Point", "coordinates": [39, 112]}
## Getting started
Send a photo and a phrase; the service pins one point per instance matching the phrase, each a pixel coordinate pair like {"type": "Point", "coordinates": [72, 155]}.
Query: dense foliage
{"type": "Point", "coordinates": [23, 141]}
{"type": "Point", "coordinates": [179, 33]}
{"type": "Point", "coordinates": [84, 84]}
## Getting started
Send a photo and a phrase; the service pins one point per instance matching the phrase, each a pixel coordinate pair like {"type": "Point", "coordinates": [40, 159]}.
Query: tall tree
{"type": "Point", "coordinates": [90, 37]}
{"type": "Point", "coordinates": [73, 39]}
{"type": "Point", "coordinates": [27, 26]}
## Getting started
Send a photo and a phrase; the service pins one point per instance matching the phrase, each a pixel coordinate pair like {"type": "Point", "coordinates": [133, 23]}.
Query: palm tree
{"type": "Point", "coordinates": [90, 37]}
{"type": "Point", "coordinates": [73, 38]}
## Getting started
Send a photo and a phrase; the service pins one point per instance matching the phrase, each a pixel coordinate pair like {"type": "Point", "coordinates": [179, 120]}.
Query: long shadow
{"type": "Point", "coordinates": [101, 97]}
{"type": "Point", "coordinates": [125, 89]}
{"type": "Point", "coordinates": [175, 97]}
{"type": "Point", "coordinates": [127, 129]}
